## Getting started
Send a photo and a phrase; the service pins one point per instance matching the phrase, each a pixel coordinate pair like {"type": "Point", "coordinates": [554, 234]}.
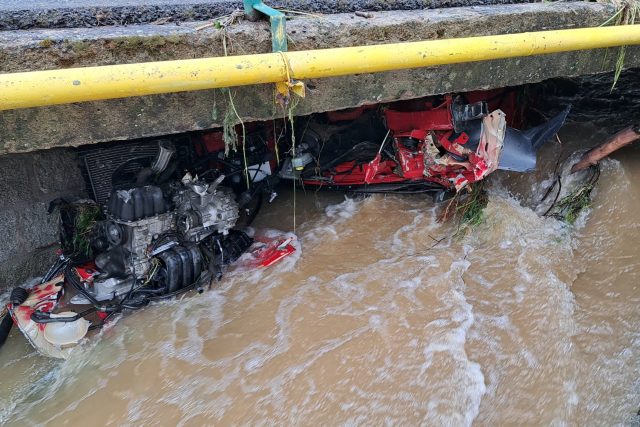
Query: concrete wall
{"type": "Point", "coordinates": [28, 182]}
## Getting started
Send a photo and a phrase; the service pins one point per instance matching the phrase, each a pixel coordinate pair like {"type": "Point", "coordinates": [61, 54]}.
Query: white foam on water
{"type": "Point", "coordinates": [448, 340]}
{"type": "Point", "coordinates": [344, 210]}
{"type": "Point", "coordinates": [537, 261]}
{"type": "Point", "coordinates": [187, 314]}
{"type": "Point", "coordinates": [402, 243]}
{"type": "Point", "coordinates": [326, 229]}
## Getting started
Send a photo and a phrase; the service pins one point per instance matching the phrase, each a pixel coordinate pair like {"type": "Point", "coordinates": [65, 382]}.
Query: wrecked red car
{"type": "Point", "coordinates": [439, 145]}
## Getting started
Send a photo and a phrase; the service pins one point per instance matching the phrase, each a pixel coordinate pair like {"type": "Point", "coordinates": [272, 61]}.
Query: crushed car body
{"type": "Point", "coordinates": [442, 144]}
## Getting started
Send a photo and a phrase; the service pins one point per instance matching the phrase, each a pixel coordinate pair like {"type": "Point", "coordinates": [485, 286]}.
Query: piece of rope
{"type": "Point", "coordinates": [287, 66]}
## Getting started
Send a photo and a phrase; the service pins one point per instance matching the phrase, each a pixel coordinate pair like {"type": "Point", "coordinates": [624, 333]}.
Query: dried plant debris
{"type": "Point", "coordinates": [570, 193]}
{"type": "Point", "coordinates": [466, 209]}
{"type": "Point", "coordinates": [627, 13]}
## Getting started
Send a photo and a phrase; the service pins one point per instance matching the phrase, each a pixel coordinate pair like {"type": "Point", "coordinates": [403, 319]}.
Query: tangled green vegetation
{"type": "Point", "coordinates": [466, 209]}
{"type": "Point", "coordinates": [568, 209]}
{"type": "Point", "coordinates": [578, 196]}
{"type": "Point", "coordinates": [86, 217]}
{"type": "Point", "coordinates": [471, 211]}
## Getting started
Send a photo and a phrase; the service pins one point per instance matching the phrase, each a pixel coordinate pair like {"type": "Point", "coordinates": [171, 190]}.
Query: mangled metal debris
{"type": "Point", "coordinates": [439, 145]}
{"type": "Point", "coordinates": [170, 216]}
{"type": "Point", "coordinates": [157, 236]}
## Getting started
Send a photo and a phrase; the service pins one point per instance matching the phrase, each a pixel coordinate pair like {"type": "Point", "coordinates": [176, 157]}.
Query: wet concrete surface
{"type": "Point", "coordinates": [19, 15]}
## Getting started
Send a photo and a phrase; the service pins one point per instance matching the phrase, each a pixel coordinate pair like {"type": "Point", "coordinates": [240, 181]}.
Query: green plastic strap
{"type": "Point", "coordinates": [277, 19]}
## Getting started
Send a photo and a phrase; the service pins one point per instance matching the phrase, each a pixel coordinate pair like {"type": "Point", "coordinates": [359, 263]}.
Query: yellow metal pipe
{"type": "Point", "coordinates": [41, 88]}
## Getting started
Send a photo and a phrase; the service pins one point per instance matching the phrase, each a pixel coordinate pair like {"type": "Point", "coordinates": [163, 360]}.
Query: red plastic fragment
{"type": "Point", "coordinates": [274, 252]}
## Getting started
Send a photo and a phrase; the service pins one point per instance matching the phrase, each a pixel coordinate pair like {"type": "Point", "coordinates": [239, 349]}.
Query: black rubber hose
{"type": "Point", "coordinates": [40, 317]}
{"type": "Point", "coordinates": [148, 291]}
{"type": "Point", "coordinates": [135, 305]}
{"type": "Point", "coordinates": [71, 278]}
{"type": "Point", "coordinates": [5, 328]}
{"type": "Point", "coordinates": [56, 268]}
{"type": "Point", "coordinates": [18, 296]}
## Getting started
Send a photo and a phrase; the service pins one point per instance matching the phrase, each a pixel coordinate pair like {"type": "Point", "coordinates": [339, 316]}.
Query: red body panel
{"type": "Point", "coordinates": [412, 125]}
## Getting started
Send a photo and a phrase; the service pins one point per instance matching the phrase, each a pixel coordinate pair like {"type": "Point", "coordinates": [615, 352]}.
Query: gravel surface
{"type": "Point", "coordinates": [19, 15]}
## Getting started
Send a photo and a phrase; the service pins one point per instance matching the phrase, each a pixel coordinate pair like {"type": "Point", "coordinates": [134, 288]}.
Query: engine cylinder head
{"type": "Point", "coordinates": [204, 208]}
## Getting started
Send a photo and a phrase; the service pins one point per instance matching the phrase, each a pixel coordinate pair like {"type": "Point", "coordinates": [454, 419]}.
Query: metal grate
{"type": "Point", "coordinates": [100, 163]}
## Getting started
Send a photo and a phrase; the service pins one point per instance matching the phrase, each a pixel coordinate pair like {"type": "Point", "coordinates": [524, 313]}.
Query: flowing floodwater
{"type": "Point", "coordinates": [382, 318]}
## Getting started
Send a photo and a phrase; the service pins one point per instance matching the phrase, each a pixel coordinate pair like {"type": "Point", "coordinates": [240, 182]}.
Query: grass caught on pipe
{"type": "Point", "coordinates": [231, 119]}
{"type": "Point", "coordinates": [627, 13]}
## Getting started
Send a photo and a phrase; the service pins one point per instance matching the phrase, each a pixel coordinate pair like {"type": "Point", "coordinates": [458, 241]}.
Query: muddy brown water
{"type": "Point", "coordinates": [525, 321]}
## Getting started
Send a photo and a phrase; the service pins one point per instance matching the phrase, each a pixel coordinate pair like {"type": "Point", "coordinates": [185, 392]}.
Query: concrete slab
{"type": "Point", "coordinates": [77, 124]}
